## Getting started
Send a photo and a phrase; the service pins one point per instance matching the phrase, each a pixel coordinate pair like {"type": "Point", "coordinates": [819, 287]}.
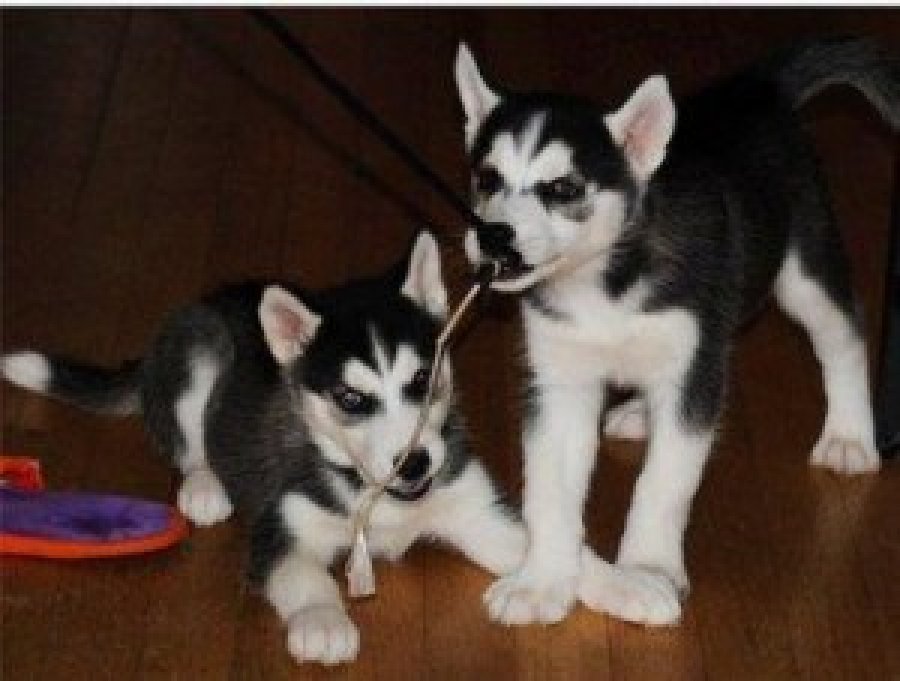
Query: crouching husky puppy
{"type": "Point", "coordinates": [639, 246]}
{"type": "Point", "coordinates": [285, 405]}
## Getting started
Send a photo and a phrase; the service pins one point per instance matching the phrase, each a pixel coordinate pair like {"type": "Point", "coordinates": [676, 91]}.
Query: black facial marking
{"type": "Point", "coordinates": [573, 121]}
{"type": "Point", "coordinates": [488, 181]}
{"type": "Point", "coordinates": [560, 192]}
{"type": "Point", "coordinates": [349, 474]}
{"type": "Point", "coordinates": [351, 316]}
{"type": "Point", "coordinates": [415, 390]}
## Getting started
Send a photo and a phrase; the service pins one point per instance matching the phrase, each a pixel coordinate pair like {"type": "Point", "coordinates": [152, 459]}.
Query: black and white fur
{"type": "Point", "coordinates": [640, 243]}
{"type": "Point", "coordinates": [284, 404]}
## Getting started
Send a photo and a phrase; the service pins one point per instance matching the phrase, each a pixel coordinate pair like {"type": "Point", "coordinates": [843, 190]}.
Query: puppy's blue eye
{"type": "Point", "coordinates": [488, 181]}
{"type": "Point", "coordinates": [560, 190]}
{"type": "Point", "coordinates": [350, 400]}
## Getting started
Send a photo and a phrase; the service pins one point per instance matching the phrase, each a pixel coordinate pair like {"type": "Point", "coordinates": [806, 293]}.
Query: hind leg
{"type": "Point", "coordinates": [201, 498]}
{"type": "Point", "coordinates": [814, 291]}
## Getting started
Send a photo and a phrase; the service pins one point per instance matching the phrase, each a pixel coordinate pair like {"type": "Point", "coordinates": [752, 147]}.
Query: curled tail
{"type": "Point", "coordinates": [806, 70]}
{"type": "Point", "coordinates": [97, 389]}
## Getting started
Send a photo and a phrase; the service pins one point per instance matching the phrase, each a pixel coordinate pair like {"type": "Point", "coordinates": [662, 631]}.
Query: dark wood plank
{"type": "Point", "coordinates": [50, 139]}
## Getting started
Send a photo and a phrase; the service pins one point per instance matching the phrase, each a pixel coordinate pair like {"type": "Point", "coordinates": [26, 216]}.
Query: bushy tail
{"type": "Point", "coordinates": [806, 70]}
{"type": "Point", "coordinates": [97, 389]}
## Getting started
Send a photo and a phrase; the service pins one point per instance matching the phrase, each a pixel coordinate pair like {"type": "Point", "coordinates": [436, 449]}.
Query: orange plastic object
{"type": "Point", "coordinates": [21, 472]}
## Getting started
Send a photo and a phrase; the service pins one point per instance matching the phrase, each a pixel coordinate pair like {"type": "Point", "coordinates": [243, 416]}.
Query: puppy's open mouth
{"type": "Point", "coordinates": [515, 276]}
{"type": "Point", "coordinates": [505, 268]}
{"type": "Point", "coordinates": [510, 271]}
{"type": "Point", "coordinates": [411, 492]}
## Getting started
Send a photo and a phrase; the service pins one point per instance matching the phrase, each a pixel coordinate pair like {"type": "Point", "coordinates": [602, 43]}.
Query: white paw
{"type": "Point", "coordinates": [654, 555]}
{"type": "Point", "coordinates": [845, 455]}
{"type": "Point", "coordinates": [322, 633]}
{"type": "Point", "coordinates": [632, 594]}
{"type": "Point", "coordinates": [202, 499]}
{"type": "Point", "coordinates": [520, 598]}
{"type": "Point", "coordinates": [627, 421]}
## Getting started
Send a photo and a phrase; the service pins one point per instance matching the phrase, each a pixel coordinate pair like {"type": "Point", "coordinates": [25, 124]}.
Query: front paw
{"type": "Point", "coordinates": [653, 558]}
{"type": "Point", "coordinates": [203, 499]}
{"type": "Point", "coordinates": [631, 593]}
{"type": "Point", "coordinates": [322, 633]}
{"type": "Point", "coordinates": [522, 598]}
{"type": "Point", "coordinates": [847, 455]}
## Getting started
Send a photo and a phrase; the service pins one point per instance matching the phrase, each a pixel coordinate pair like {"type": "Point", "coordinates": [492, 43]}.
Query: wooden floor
{"type": "Point", "coordinates": [150, 155]}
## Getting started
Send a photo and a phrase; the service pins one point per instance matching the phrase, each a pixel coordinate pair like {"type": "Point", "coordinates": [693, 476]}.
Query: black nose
{"type": "Point", "coordinates": [495, 239]}
{"type": "Point", "coordinates": [416, 465]}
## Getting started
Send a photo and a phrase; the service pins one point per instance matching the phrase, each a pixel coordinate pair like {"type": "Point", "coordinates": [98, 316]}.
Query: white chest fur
{"type": "Point", "coordinates": [595, 337]}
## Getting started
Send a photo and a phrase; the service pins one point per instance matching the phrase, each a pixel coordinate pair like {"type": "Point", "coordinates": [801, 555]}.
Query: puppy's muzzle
{"type": "Point", "coordinates": [413, 475]}
{"type": "Point", "coordinates": [496, 242]}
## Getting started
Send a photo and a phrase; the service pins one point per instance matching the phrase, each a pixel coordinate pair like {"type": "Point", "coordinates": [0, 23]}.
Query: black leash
{"type": "Point", "coordinates": [358, 108]}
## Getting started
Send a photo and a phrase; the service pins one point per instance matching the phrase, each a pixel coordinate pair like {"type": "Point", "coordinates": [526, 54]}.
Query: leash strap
{"type": "Point", "coordinates": [363, 113]}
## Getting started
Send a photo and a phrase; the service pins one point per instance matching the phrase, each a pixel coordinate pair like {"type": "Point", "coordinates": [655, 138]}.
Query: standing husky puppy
{"type": "Point", "coordinates": [639, 246]}
{"type": "Point", "coordinates": [286, 405]}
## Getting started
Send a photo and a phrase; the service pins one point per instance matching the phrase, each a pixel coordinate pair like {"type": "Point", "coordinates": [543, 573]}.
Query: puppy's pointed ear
{"type": "Point", "coordinates": [423, 283]}
{"type": "Point", "coordinates": [288, 325]}
{"type": "Point", "coordinates": [644, 125]}
{"type": "Point", "coordinates": [478, 100]}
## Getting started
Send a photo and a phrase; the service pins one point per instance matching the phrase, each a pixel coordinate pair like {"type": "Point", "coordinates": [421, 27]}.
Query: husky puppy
{"type": "Point", "coordinates": [286, 404]}
{"type": "Point", "coordinates": [639, 245]}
